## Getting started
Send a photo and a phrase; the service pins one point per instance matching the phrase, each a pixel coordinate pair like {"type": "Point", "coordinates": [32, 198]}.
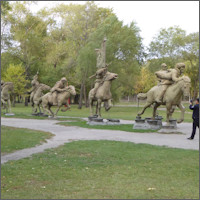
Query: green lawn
{"type": "Point", "coordinates": [103, 170]}
{"type": "Point", "coordinates": [127, 113]}
{"type": "Point", "coordinates": [122, 127]}
{"type": "Point", "coordinates": [13, 139]}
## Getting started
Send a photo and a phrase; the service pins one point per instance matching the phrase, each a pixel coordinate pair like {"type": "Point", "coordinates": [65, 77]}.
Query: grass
{"type": "Point", "coordinates": [126, 113]}
{"type": "Point", "coordinates": [13, 139]}
{"type": "Point", "coordinates": [122, 127]}
{"type": "Point", "coordinates": [103, 170]}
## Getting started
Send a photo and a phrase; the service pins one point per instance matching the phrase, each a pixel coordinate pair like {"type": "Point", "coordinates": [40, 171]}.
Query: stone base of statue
{"type": "Point", "coordinates": [172, 124]}
{"type": "Point", "coordinates": [39, 114]}
{"type": "Point", "coordinates": [113, 122]}
{"type": "Point", "coordinates": [9, 114]}
{"type": "Point", "coordinates": [148, 123]}
{"type": "Point", "coordinates": [94, 120]}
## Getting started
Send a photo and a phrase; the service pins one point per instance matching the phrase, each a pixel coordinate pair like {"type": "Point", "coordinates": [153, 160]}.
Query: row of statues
{"type": "Point", "coordinates": [171, 87]}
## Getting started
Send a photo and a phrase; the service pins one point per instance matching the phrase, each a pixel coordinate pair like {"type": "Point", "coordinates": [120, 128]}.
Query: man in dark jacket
{"type": "Point", "coordinates": [195, 117]}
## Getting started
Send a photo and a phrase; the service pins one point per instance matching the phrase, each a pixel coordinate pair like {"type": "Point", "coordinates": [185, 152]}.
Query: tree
{"type": "Point", "coordinates": [122, 51]}
{"type": "Point", "coordinates": [145, 81]}
{"type": "Point", "coordinates": [191, 58]}
{"type": "Point", "coordinates": [16, 74]}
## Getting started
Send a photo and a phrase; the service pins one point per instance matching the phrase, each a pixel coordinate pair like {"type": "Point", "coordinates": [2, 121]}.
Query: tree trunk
{"type": "Point", "coordinates": [26, 101]}
{"type": "Point", "coordinates": [85, 97]}
{"type": "Point", "coordinates": [81, 97]}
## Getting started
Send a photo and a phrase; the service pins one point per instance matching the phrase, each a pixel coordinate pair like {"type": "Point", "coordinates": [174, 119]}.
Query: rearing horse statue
{"type": "Point", "coordinates": [8, 87]}
{"type": "Point", "coordinates": [103, 94]}
{"type": "Point", "coordinates": [172, 98]}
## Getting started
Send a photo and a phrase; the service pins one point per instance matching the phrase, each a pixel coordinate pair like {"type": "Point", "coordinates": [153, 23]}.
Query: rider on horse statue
{"type": "Point", "coordinates": [102, 67]}
{"type": "Point", "coordinates": [58, 87]}
{"type": "Point", "coordinates": [167, 77]}
{"type": "Point", "coordinates": [35, 83]}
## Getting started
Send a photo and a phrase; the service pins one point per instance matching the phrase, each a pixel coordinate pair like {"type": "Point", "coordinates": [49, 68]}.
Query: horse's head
{"type": "Point", "coordinates": [71, 89]}
{"type": "Point", "coordinates": [44, 87]}
{"type": "Point", "coordinates": [110, 76]}
{"type": "Point", "coordinates": [186, 84]}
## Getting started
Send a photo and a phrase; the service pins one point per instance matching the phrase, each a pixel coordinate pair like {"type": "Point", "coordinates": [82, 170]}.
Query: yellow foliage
{"type": "Point", "coordinates": [145, 81]}
{"type": "Point", "coordinates": [16, 74]}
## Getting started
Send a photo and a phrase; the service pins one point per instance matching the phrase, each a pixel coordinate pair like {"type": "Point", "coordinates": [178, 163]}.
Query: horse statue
{"type": "Point", "coordinates": [38, 94]}
{"type": "Point", "coordinates": [171, 99]}
{"type": "Point", "coordinates": [62, 99]}
{"type": "Point", "coordinates": [103, 94]}
{"type": "Point", "coordinates": [7, 89]}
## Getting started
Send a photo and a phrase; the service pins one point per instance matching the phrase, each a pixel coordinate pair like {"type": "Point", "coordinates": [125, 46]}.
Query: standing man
{"type": "Point", "coordinates": [195, 117]}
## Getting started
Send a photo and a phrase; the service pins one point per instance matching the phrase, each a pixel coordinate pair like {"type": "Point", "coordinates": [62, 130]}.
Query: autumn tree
{"type": "Point", "coordinates": [16, 74]}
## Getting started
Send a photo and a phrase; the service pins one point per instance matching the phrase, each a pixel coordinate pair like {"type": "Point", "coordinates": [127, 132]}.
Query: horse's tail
{"type": "Point", "coordinates": [142, 96]}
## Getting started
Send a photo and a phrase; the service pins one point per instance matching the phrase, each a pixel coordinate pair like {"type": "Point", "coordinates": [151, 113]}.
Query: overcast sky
{"type": "Point", "coordinates": [150, 16]}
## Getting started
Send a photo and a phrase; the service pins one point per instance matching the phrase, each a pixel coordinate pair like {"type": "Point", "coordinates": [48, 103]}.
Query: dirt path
{"type": "Point", "coordinates": [65, 134]}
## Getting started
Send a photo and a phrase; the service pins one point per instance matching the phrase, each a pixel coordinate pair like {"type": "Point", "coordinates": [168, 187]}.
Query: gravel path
{"type": "Point", "coordinates": [65, 134]}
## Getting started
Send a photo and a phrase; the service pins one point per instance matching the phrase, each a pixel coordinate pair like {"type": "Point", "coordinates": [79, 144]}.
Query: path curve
{"type": "Point", "coordinates": [64, 134]}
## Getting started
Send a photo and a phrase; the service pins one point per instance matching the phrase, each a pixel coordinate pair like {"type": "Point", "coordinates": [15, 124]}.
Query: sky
{"type": "Point", "coordinates": [150, 16]}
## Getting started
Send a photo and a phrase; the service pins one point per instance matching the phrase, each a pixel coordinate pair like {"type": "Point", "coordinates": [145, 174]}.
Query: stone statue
{"type": "Point", "coordinates": [174, 88]}
{"type": "Point", "coordinates": [103, 94]}
{"type": "Point", "coordinates": [100, 76]}
{"type": "Point", "coordinates": [38, 94]}
{"type": "Point", "coordinates": [101, 55]}
{"type": "Point", "coordinates": [34, 83]}
{"type": "Point", "coordinates": [101, 91]}
{"type": "Point", "coordinates": [6, 89]}
{"type": "Point", "coordinates": [168, 77]}
{"type": "Point", "coordinates": [62, 99]}
{"type": "Point", "coordinates": [58, 87]}
{"type": "Point", "coordinates": [2, 84]}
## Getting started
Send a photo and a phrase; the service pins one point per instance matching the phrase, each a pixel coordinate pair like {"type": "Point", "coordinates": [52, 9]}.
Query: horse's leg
{"type": "Point", "coordinates": [99, 107]}
{"type": "Point", "coordinates": [34, 109]}
{"type": "Point", "coordinates": [38, 105]}
{"type": "Point", "coordinates": [148, 104]}
{"type": "Point", "coordinates": [45, 109]}
{"type": "Point", "coordinates": [182, 108]}
{"type": "Point", "coordinates": [9, 105]}
{"type": "Point", "coordinates": [4, 103]}
{"type": "Point", "coordinates": [96, 107]}
{"type": "Point", "coordinates": [108, 105]}
{"type": "Point", "coordinates": [59, 106]}
{"type": "Point", "coordinates": [171, 112]}
{"type": "Point", "coordinates": [91, 106]}
{"type": "Point", "coordinates": [168, 107]}
{"type": "Point", "coordinates": [155, 109]}
{"type": "Point", "coordinates": [49, 107]}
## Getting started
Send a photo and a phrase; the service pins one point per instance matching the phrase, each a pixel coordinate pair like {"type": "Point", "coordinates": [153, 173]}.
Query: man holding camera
{"type": "Point", "coordinates": [195, 117]}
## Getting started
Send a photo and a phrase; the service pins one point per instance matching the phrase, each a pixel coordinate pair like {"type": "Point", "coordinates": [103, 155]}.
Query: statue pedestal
{"type": "Point", "coordinates": [113, 122]}
{"type": "Point", "coordinates": [39, 114]}
{"type": "Point", "coordinates": [94, 120]}
{"type": "Point", "coordinates": [172, 124]}
{"type": "Point", "coordinates": [9, 114]}
{"type": "Point", "coordinates": [148, 123]}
